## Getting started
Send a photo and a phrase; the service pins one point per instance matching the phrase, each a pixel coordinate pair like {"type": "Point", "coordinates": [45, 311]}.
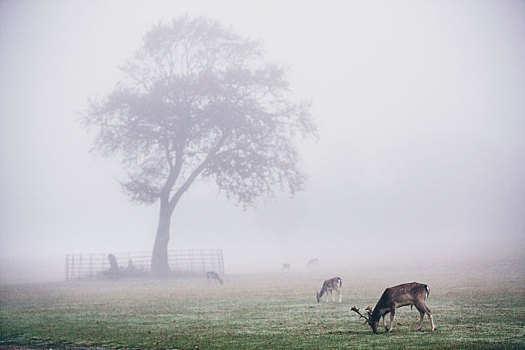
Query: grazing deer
{"type": "Point", "coordinates": [330, 285]}
{"type": "Point", "coordinates": [402, 295]}
{"type": "Point", "coordinates": [212, 275]}
{"type": "Point", "coordinates": [313, 262]}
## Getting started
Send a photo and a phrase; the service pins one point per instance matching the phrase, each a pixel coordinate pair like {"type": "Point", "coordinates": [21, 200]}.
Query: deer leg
{"type": "Point", "coordinates": [340, 296]}
{"type": "Point", "coordinates": [392, 315]}
{"type": "Point", "coordinates": [431, 322]}
{"type": "Point", "coordinates": [427, 310]}
{"type": "Point", "coordinates": [422, 315]}
{"type": "Point", "coordinates": [332, 294]}
{"type": "Point", "coordinates": [384, 320]}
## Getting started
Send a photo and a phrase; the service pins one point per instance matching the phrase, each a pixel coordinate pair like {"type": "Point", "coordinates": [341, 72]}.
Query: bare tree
{"type": "Point", "coordinates": [199, 101]}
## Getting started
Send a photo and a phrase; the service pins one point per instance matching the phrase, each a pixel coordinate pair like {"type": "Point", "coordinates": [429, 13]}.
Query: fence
{"type": "Point", "coordinates": [187, 262]}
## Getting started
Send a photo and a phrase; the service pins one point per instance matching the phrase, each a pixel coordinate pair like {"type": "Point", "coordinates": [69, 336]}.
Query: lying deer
{"type": "Point", "coordinates": [402, 295]}
{"type": "Point", "coordinates": [330, 285]}
{"type": "Point", "coordinates": [212, 275]}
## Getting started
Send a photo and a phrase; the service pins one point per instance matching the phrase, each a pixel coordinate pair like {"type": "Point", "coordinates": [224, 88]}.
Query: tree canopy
{"type": "Point", "coordinates": [197, 99]}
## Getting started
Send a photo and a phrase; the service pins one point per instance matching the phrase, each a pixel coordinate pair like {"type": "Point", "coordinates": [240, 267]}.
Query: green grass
{"type": "Point", "coordinates": [471, 311]}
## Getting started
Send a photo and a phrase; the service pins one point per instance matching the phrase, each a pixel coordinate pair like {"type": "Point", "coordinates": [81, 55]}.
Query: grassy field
{"type": "Point", "coordinates": [481, 308]}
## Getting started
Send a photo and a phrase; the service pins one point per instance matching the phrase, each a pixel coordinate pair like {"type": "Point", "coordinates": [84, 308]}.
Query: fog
{"type": "Point", "coordinates": [420, 157]}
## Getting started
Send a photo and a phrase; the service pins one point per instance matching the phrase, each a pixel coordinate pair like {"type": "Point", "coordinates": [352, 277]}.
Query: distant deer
{"type": "Point", "coordinates": [313, 262]}
{"type": "Point", "coordinates": [330, 285]}
{"type": "Point", "coordinates": [286, 267]}
{"type": "Point", "coordinates": [402, 295]}
{"type": "Point", "coordinates": [212, 275]}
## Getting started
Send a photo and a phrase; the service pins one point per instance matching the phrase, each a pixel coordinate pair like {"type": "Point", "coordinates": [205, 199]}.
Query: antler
{"type": "Point", "coordinates": [360, 314]}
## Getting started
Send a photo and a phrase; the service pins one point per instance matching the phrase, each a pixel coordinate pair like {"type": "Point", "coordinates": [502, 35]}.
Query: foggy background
{"type": "Point", "coordinates": [420, 159]}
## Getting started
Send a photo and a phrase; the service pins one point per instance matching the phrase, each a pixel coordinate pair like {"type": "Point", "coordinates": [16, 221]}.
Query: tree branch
{"type": "Point", "coordinates": [196, 172]}
{"type": "Point", "coordinates": [174, 172]}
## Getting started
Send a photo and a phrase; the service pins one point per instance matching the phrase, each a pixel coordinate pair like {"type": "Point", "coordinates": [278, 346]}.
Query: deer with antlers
{"type": "Point", "coordinates": [402, 295]}
{"type": "Point", "coordinates": [329, 286]}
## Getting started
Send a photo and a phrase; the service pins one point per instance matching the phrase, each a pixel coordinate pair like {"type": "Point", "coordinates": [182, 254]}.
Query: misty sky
{"type": "Point", "coordinates": [421, 114]}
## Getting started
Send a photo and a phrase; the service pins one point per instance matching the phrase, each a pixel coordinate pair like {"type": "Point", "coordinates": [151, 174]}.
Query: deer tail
{"type": "Point", "coordinates": [428, 291]}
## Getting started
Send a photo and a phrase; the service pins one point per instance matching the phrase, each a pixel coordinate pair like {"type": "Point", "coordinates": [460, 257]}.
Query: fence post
{"type": "Point", "coordinates": [67, 267]}
{"type": "Point", "coordinates": [221, 261]}
{"type": "Point", "coordinates": [203, 261]}
{"type": "Point", "coordinates": [191, 255]}
{"type": "Point", "coordinates": [80, 266]}
{"type": "Point", "coordinates": [90, 265]}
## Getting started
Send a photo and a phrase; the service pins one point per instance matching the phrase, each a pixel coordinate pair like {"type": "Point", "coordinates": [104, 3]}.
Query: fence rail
{"type": "Point", "coordinates": [186, 262]}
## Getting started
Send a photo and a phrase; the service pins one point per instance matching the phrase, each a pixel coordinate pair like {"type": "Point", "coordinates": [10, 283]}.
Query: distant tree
{"type": "Point", "coordinates": [198, 101]}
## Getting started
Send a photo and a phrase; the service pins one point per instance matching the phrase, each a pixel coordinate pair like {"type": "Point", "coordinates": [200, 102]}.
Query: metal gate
{"type": "Point", "coordinates": [184, 262]}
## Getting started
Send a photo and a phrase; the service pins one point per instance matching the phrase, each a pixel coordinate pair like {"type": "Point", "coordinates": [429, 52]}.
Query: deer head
{"type": "Point", "coordinates": [368, 317]}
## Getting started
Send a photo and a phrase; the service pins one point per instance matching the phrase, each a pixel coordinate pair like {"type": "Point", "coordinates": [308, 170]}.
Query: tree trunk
{"type": "Point", "coordinates": [159, 258]}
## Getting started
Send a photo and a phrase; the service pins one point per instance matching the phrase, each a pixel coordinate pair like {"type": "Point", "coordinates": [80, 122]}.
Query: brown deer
{"type": "Point", "coordinates": [402, 295]}
{"type": "Point", "coordinates": [330, 285]}
{"type": "Point", "coordinates": [212, 275]}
